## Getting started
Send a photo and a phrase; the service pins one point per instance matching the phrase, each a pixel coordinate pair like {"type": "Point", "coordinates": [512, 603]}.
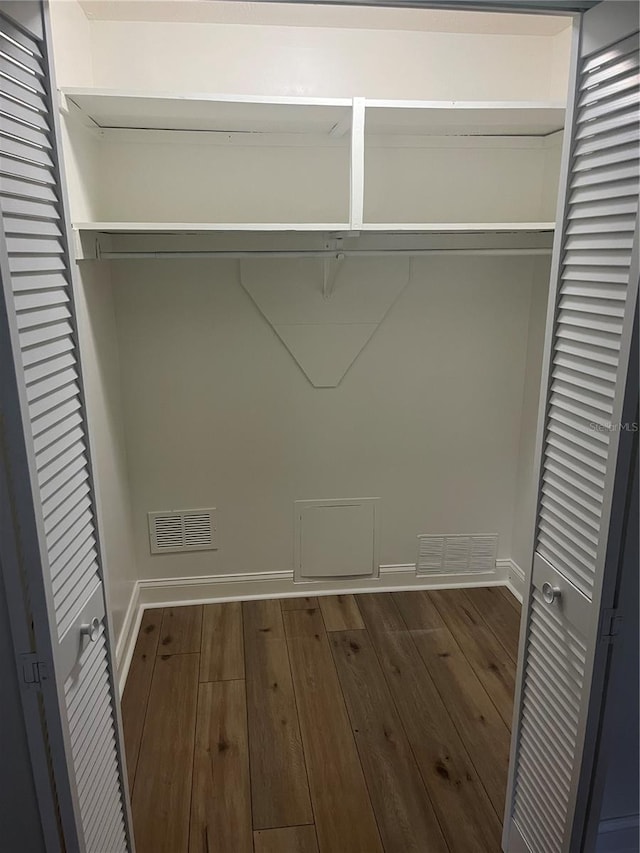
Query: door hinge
{"type": "Point", "coordinates": [611, 623]}
{"type": "Point", "coordinates": [34, 671]}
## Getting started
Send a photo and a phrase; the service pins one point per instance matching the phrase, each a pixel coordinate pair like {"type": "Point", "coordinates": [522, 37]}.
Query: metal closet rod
{"type": "Point", "coordinates": [319, 253]}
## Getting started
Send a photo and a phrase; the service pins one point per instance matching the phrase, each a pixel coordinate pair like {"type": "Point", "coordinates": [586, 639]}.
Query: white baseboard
{"type": "Point", "coordinates": [618, 835]}
{"type": "Point", "coordinates": [515, 578]}
{"type": "Point", "coordinates": [128, 636]}
{"type": "Point", "coordinates": [397, 568]}
{"type": "Point", "coordinates": [210, 589]}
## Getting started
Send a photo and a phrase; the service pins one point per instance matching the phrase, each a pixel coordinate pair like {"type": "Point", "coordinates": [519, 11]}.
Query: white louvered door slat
{"type": "Point", "coordinates": [79, 697]}
{"type": "Point", "coordinates": [587, 363]}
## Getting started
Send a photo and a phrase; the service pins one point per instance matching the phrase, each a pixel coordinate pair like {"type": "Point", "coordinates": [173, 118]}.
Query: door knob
{"type": "Point", "coordinates": [550, 593]}
{"type": "Point", "coordinates": [91, 630]}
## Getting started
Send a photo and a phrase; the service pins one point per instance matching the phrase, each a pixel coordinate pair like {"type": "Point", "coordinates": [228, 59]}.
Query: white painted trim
{"type": "Point", "coordinates": [356, 179]}
{"type": "Point", "coordinates": [127, 637]}
{"type": "Point", "coordinates": [515, 578]}
{"type": "Point", "coordinates": [462, 106]}
{"type": "Point", "coordinates": [166, 592]}
{"type": "Point", "coordinates": [398, 568]}
{"type": "Point", "coordinates": [142, 227]}
{"type": "Point", "coordinates": [321, 227]}
{"type": "Point", "coordinates": [204, 97]}
{"type": "Point", "coordinates": [196, 580]}
{"type": "Point", "coordinates": [211, 589]}
{"type": "Point", "coordinates": [454, 227]}
{"type": "Point", "coordinates": [618, 835]}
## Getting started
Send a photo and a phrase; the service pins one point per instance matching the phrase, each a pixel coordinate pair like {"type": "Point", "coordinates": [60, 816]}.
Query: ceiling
{"type": "Point", "coordinates": [330, 14]}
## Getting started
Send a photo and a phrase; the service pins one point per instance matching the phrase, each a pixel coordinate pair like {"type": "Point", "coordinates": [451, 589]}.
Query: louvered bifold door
{"type": "Point", "coordinates": [41, 330]}
{"type": "Point", "coordinates": [586, 428]}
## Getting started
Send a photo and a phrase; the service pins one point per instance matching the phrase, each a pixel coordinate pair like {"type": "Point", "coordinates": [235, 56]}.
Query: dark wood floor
{"type": "Point", "coordinates": [339, 724]}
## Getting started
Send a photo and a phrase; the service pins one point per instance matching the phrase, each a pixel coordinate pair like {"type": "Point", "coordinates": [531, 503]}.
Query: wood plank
{"type": "Point", "coordinates": [222, 649]}
{"type": "Point", "coordinates": [465, 813]}
{"type": "Point", "coordinates": [292, 839]}
{"type": "Point", "coordinates": [340, 613]}
{"type": "Point", "coordinates": [299, 603]}
{"type": "Point", "coordinates": [279, 788]}
{"type": "Point", "coordinates": [162, 790]}
{"type": "Point", "coordinates": [503, 619]}
{"type": "Point", "coordinates": [181, 630]}
{"type": "Point", "coordinates": [402, 807]}
{"type": "Point", "coordinates": [136, 691]}
{"type": "Point", "coordinates": [495, 669]}
{"type": "Point", "coordinates": [344, 817]}
{"type": "Point", "coordinates": [481, 728]}
{"type": "Point", "coordinates": [510, 597]}
{"type": "Point", "coordinates": [221, 796]}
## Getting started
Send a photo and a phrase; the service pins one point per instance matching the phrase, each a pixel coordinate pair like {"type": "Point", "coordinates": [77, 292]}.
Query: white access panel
{"type": "Point", "coordinates": [585, 436]}
{"type": "Point", "coordinates": [336, 538]}
{"type": "Point", "coordinates": [58, 578]}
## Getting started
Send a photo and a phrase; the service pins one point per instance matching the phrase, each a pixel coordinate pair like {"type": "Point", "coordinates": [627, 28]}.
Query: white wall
{"type": "Point", "coordinates": [168, 181]}
{"type": "Point", "coordinates": [324, 62]}
{"type": "Point", "coordinates": [526, 482]}
{"type": "Point", "coordinates": [71, 33]}
{"type": "Point", "coordinates": [405, 422]}
{"type": "Point", "coordinates": [499, 180]}
{"type": "Point", "coordinates": [217, 413]}
{"type": "Point", "coordinates": [101, 369]}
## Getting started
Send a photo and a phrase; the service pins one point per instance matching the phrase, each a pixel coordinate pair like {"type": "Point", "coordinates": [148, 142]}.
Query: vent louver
{"type": "Point", "coordinates": [457, 554]}
{"type": "Point", "coordinates": [182, 530]}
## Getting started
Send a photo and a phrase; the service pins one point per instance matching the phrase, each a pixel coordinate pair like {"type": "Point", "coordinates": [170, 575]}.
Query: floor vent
{"type": "Point", "coordinates": [457, 554]}
{"type": "Point", "coordinates": [185, 530]}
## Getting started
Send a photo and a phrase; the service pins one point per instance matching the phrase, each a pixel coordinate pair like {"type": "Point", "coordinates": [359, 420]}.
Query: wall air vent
{"type": "Point", "coordinates": [183, 530]}
{"type": "Point", "coordinates": [457, 554]}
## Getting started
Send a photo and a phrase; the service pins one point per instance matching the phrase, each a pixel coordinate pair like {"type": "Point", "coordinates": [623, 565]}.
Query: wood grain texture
{"type": "Point", "coordinates": [162, 790]}
{"type": "Point", "coordinates": [495, 670]}
{"type": "Point", "coordinates": [299, 603]}
{"type": "Point", "coordinates": [345, 822]}
{"type": "Point", "coordinates": [426, 729]}
{"type": "Point", "coordinates": [340, 613]}
{"type": "Point", "coordinates": [481, 728]}
{"type": "Point", "coordinates": [403, 810]}
{"type": "Point", "coordinates": [500, 616]}
{"type": "Point", "coordinates": [292, 839]}
{"type": "Point", "coordinates": [510, 597]}
{"type": "Point", "coordinates": [221, 799]}
{"type": "Point", "coordinates": [136, 691]}
{"type": "Point", "coordinates": [280, 792]}
{"type": "Point", "coordinates": [181, 630]}
{"type": "Point", "coordinates": [460, 801]}
{"type": "Point", "coordinates": [222, 649]}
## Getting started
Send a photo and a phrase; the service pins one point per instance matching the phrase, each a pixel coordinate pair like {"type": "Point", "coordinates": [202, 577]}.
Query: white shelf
{"type": "Point", "coordinates": [383, 227]}
{"type": "Point", "coordinates": [457, 227]}
{"type": "Point", "coordinates": [293, 168]}
{"type": "Point", "coordinates": [469, 118]}
{"type": "Point", "coordinates": [205, 227]}
{"type": "Point", "coordinates": [109, 108]}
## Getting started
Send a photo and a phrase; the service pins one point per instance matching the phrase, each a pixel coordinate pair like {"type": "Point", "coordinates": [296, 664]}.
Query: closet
{"type": "Point", "coordinates": [311, 250]}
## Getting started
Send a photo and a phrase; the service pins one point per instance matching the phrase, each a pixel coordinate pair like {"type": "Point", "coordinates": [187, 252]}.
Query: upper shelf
{"type": "Point", "coordinates": [469, 118]}
{"type": "Point", "coordinates": [110, 109]}
{"type": "Point", "coordinates": [322, 227]}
